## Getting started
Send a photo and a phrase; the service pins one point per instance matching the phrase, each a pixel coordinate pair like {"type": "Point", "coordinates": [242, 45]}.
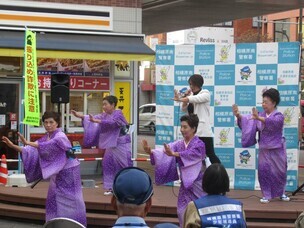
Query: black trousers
{"type": "Point", "coordinates": [210, 149]}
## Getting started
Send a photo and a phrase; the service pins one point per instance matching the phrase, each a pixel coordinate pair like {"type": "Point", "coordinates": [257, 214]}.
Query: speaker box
{"type": "Point", "coordinates": [60, 88]}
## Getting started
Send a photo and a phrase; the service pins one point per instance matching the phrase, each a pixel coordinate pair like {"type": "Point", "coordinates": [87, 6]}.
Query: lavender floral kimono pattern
{"type": "Point", "coordinates": [49, 161]}
{"type": "Point", "coordinates": [190, 167]}
{"type": "Point", "coordinates": [109, 135]}
{"type": "Point", "coordinates": [272, 158]}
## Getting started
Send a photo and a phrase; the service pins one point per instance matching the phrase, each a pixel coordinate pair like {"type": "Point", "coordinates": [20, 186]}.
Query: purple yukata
{"type": "Point", "coordinates": [190, 168]}
{"type": "Point", "coordinates": [49, 161]}
{"type": "Point", "coordinates": [109, 135]}
{"type": "Point", "coordinates": [272, 158]}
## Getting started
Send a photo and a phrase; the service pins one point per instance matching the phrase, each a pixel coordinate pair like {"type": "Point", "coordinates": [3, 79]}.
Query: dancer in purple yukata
{"type": "Point", "coordinates": [108, 131]}
{"type": "Point", "coordinates": [272, 158]}
{"type": "Point", "coordinates": [47, 158]}
{"type": "Point", "coordinates": [187, 155]}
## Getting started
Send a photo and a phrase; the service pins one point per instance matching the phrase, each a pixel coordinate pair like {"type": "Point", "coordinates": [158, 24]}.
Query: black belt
{"type": "Point", "coordinates": [70, 153]}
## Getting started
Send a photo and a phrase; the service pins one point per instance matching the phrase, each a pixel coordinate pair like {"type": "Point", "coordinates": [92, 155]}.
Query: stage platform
{"type": "Point", "coordinates": [24, 203]}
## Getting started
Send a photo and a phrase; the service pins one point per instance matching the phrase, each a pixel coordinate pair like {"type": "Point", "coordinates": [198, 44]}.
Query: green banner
{"type": "Point", "coordinates": [31, 90]}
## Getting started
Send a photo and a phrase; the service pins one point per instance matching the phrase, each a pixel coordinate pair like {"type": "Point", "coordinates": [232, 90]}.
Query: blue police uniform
{"type": "Point", "coordinates": [220, 211]}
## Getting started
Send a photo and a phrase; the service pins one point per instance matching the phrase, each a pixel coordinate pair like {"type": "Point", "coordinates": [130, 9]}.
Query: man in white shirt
{"type": "Point", "coordinates": [197, 101]}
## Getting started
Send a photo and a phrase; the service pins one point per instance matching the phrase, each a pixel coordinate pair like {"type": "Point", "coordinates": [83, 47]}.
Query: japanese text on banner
{"type": "Point", "coordinates": [31, 92]}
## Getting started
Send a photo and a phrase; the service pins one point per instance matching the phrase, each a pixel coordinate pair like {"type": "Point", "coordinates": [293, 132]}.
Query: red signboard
{"type": "Point", "coordinates": [78, 83]}
{"type": "Point", "coordinates": [12, 116]}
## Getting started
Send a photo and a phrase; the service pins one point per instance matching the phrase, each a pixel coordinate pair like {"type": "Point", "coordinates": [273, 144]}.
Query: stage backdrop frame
{"type": "Point", "coordinates": [234, 73]}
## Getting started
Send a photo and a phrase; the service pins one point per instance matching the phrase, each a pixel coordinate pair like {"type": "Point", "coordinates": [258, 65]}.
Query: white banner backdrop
{"type": "Point", "coordinates": [234, 73]}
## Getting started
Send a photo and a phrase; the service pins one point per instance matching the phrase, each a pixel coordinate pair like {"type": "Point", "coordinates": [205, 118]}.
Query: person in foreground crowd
{"type": "Point", "coordinates": [197, 101]}
{"type": "Point", "coordinates": [300, 221]}
{"type": "Point", "coordinates": [187, 155]}
{"type": "Point", "coordinates": [215, 209]}
{"type": "Point", "coordinates": [272, 159]}
{"type": "Point", "coordinates": [108, 131]}
{"type": "Point", "coordinates": [132, 197]}
{"type": "Point", "coordinates": [48, 158]}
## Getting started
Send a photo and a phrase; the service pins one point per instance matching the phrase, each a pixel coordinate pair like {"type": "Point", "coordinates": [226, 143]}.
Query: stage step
{"type": "Point", "coordinates": [99, 219]}
{"type": "Point", "coordinates": [93, 219]}
{"type": "Point", "coordinates": [272, 225]}
{"type": "Point", "coordinates": [18, 211]}
{"type": "Point", "coordinates": [27, 204]}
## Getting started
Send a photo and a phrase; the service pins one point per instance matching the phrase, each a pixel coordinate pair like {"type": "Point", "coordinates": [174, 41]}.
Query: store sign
{"type": "Point", "coordinates": [201, 35]}
{"type": "Point", "coordinates": [56, 15]}
{"type": "Point", "coordinates": [78, 83]}
{"type": "Point", "coordinates": [122, 69]}
{"type": "Point", "coordinates": [31, 93]}
{"type": "Point", "coordinates": [122, 92]}
{"type": "Point", "coordinates": [12, 116]}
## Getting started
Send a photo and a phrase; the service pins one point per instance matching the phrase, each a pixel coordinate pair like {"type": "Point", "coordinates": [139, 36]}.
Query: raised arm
{"type": "Point", "coordinates": [77, 114]}
{"type": "Point", "coordinates": [10, 144]}
{"type": "Point", "coordinates": [26, 142]}
{"type": "Point", "coordinates": [236, 111]}
{"type": "Point", "coordinates": [146, 147]}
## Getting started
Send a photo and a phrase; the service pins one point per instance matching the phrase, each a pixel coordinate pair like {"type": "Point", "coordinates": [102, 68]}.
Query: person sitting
{"type": "Point", "coordinates": [132, 197]}
{"type": "Point", "coordinates": [215, 209]}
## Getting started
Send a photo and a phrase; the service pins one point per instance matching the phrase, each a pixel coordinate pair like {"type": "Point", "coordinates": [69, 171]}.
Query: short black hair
{"type": "Point", "coordinates": [273, 94]}
{"type": "Point", "coordinates": [216, 180]}
{"type": "Point", "coordinates": [52, 114]}
{"type": "Point", "coordinates": [191, 119]}
{"type": "Point", "coordinates": [111, 99]}
{"type": "Point", "coordinates": [197, 80]}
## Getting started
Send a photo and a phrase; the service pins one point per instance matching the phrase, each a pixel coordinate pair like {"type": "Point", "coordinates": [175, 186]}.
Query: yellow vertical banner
{"type": "Point", "coordinates": [122, 91]}
{"type": "Point", "coordinates": [31, 89]}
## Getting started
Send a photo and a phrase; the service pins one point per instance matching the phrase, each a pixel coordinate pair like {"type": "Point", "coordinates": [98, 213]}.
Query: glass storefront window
{"type": "Point", "coordinates": [83, 102]}
{"type": "Point", "coordinates": [77, 104]}
{"type": "Point", "coordinates": [94, 103]}
{"type": "Point", "coordinates": [282, 30]}
{"type": "Point", "coordinates": [49, 106]}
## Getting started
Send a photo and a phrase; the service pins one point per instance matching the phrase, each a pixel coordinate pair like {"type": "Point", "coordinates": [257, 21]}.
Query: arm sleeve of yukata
{"type": "Point", "coordinates": [249, 129]}
{"type": "Point", "coordinates": [192, 159]}
{"type": "Point", "coordinates": [200, 98]}
{"type": "Point", "coordinates": [91, 131]}
{"type": "Point", "coordinates": [165, 167]}
{"type": "Point", "coordinates": [30, 159]}
{"type": "Point", "coordinates": [191, 217]}
{"type": "Point", "coordinates": [117, 121]}
{"type": "Point", "coordinates": [273, 123]}
{"type": "Point", "coordinates": [52, 154]}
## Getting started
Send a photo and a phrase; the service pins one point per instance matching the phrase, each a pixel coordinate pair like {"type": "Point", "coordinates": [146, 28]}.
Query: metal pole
{"type": "Point", "coordinates": [301, 62]}
{"type": "Point", "coordinates": [300, 27]}
{"type": "Point", "coordinates": [259, 29]}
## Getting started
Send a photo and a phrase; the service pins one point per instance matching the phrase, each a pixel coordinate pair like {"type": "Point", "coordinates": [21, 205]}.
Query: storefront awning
{"type": "Point", "coordinates": [78, 46]}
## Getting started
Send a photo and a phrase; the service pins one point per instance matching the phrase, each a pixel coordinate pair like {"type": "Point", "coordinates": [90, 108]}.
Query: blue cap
{"type": "Point", "coordinates": [132, 185]}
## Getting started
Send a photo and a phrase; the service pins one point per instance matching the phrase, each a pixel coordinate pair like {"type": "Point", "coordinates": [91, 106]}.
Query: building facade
{"type": "Point", "coordinates": [97, 43]}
